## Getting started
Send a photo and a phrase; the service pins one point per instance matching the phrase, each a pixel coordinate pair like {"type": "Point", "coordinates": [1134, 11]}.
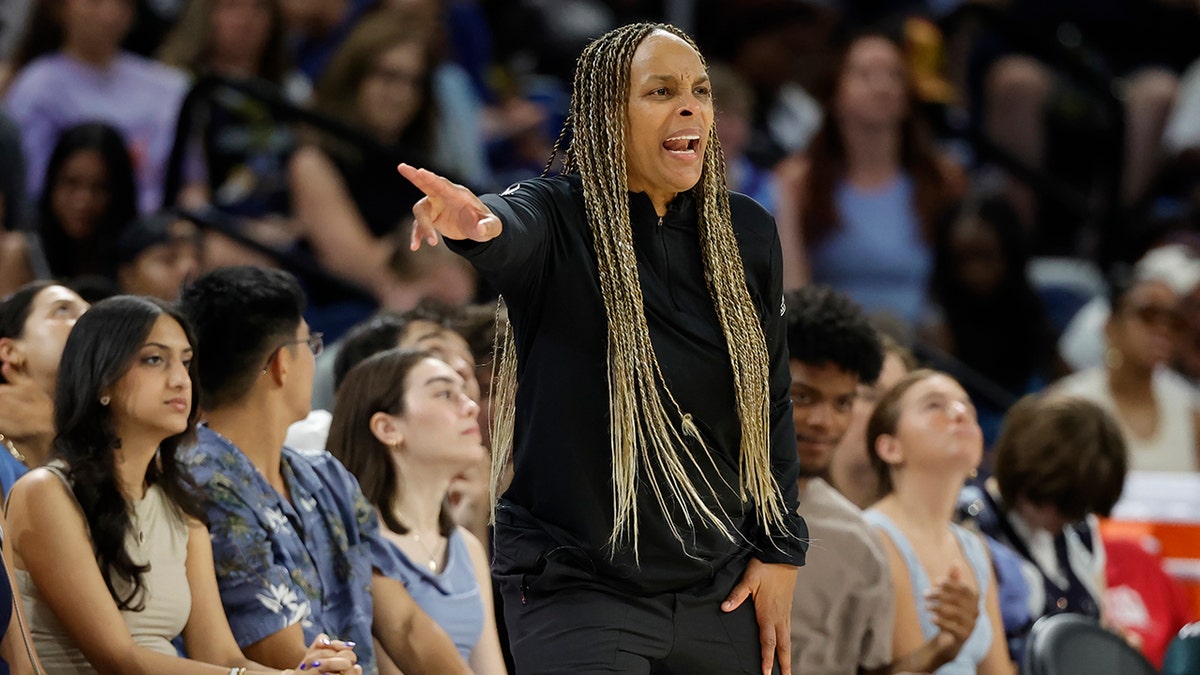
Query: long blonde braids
{"type": "Point", "coordinates": [645, 441]}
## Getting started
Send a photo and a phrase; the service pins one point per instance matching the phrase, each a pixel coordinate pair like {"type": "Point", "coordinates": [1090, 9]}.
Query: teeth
{"type": "Point", "coordinates": [684, 138]}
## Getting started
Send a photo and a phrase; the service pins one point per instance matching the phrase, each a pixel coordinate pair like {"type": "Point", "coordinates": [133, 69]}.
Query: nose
{"type": "Point", "coordinates": [690, 105]}
{"type": "Point", "coordinates": [470, 407]}
{"type": "Point", "coordinates": [959, 410]}
{"type": "Point", "coordinates": [179, 377]}
{"type": "Point", "coordinates": [818, 416]}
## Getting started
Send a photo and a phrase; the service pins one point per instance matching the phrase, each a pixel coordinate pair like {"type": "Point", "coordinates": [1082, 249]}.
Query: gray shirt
{"type": "Point", "coordinates": [843, 609]}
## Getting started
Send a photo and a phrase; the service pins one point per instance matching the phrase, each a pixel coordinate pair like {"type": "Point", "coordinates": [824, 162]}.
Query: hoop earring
{"type": "Point", "coordinates": [1113, 358]}
{"type": "Point", "coordinates": [105, 400]}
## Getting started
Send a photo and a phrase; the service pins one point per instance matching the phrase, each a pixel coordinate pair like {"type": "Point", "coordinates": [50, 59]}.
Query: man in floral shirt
{"type": "Point", "coordinates": [297, 547]}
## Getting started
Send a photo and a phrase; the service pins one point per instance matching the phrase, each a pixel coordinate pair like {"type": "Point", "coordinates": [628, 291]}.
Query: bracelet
{"type": "Point", "coordinates": [237, 670]}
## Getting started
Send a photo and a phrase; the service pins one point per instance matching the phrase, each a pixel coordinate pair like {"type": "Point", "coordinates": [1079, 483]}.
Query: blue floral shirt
{"type": "Point", "coordinates": [306, 561]}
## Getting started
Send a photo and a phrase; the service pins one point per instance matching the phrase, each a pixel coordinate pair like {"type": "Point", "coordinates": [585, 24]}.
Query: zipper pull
{"type": "Point", "coordinates": [660, 221]}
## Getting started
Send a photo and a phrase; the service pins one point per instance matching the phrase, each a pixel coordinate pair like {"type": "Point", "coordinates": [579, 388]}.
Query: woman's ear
{"type": "Point", "coordinates": [889, 450]}
{"type": "Point", "coordinates": [387, 429]}
{"type": "Point", "coordinates": [10, 353]}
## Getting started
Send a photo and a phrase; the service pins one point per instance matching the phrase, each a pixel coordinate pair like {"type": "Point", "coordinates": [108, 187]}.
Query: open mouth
{"type": "Point", "coordinates": [682, 145]}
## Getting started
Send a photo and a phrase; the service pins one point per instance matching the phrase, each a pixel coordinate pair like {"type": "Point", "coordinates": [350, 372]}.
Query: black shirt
{"type": "Point", "coordinates": [544, 264]}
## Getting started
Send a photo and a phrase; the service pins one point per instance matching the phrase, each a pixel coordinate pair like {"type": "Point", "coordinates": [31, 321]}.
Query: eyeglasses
{"type": "Point", "coordinates": [315, 342]}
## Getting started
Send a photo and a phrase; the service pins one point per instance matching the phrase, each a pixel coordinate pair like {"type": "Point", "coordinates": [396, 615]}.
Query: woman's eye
{"type": "Point", "coordinates": [153, 360]}
{"type": "Point", "coordinates": [187, 364]}
{"type": "Point", "coordinates": [661, 91]}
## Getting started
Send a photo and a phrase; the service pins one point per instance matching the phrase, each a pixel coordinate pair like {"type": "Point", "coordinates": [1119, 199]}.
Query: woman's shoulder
{"type": "Point", "coordinates": [42, 496]}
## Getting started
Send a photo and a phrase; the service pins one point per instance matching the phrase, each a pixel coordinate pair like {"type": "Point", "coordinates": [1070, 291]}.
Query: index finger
{"type": "Point", "coordinates": [426, 181]}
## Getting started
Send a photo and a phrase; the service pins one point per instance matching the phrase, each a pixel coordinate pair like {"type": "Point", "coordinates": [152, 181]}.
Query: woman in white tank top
{"type": "Point", "coordinates": [111, 561]}
{"type": "Point", "coordinates": [1155, 408]}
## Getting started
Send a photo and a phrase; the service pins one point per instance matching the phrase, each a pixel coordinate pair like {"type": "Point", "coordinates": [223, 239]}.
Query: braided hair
{"type": "Point", "coordinates": [644, 439]}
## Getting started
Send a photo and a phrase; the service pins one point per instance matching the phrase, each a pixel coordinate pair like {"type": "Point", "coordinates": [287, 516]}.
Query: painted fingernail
{"type": "Point", "coordinates": [326, 642]}
{"type": "Point", "coordinates": [316, 664]}
{"type": "Point", "coordinates": [303, 666]}
{"type": "Point", "coordinates": [351, 645]}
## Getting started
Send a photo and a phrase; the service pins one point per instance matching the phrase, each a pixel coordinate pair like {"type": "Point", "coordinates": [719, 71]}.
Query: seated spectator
{"type": "Point", "coordinates": [157, 255]}
{"type": "Point", "coordinates": [297, 546]}
{"type": "Point", "coordinates": [350, 201]}
{"type": "Point", "coordinates": [734, 119]}
{"type": "Point", "coordinates": [1154, 407]}
{"type": "Point", "coordinates": [850, 469]}
{"type": "Point", "coordinates": [925, 442]}
{"type": "Point", "coordinates": [244, 148]}
{"type": "Point", "coordinates": [89, 197]}
{"type": "Point", "coordinates": [859, 211]}
{"type": "Point", "coordinates": [986, 313]}
{"type": "Point", "coordinates": [34, 325]}
{"type": "Point", "coordinates": [72, 70]}
{"type": "Point", "coordinates": [428, 328]}
{"type": "Point", "coordinates": [1059, 462]}
{"type": "Point", "coordinates": [112, 559]}
{"type": "Point", "coordinates": [405, 425]}
{"type": "Point", "coordinates": [844, 608]}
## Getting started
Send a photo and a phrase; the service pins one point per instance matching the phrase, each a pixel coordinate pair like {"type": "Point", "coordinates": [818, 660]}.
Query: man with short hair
{"type": "Point", "coordinates": [843, 610]}
{"type": "Point", "coordinates": [296, 546]}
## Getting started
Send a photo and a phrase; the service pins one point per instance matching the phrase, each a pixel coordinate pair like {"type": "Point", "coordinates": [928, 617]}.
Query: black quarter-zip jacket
{"type": "Point", "coordinates": [544, 264]}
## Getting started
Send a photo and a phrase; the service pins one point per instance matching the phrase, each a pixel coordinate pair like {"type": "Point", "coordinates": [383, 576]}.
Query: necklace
{"type": "Point", "coordinates": [433, 560]}
{"type": "Point", "coordinates": [12, 449]}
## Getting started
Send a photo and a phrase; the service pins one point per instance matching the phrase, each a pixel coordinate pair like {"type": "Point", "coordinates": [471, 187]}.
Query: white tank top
{"type": "Point", "coordinates": [1173, 447]}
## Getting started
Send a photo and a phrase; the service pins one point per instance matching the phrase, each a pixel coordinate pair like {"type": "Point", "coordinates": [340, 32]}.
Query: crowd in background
{"type": "Point", "coordinates": [1007, 191]}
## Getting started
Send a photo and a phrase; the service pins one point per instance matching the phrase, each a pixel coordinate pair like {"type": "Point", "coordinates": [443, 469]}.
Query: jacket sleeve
{"type": "Point", "coordinates": [787, 547]}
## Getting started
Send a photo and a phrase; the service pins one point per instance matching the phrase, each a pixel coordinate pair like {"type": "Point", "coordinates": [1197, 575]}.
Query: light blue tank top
{"type": "Point", "coordinates": [877, 255]}
{"type": "Point", "coordinates": [980, 640]}
{"type": "Point", "coordinates": [452, 598]}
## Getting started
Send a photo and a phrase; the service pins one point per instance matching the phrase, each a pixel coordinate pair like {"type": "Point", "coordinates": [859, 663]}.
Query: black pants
{"type": "Point", "coordinates": [586, 628]}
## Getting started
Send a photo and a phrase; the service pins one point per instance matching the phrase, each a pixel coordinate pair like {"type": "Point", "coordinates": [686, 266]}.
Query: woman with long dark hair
{"type": "Point", "coordinates": [112, 560]}
{"type": "Point", "coordinates": [861, 206]}
{"type": "Point", "coordinates": [89, 196]}
{"type": "Point", "coordinates": [405, 426]}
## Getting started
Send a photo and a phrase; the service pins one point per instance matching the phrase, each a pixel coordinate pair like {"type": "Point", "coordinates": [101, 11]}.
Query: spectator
{"type": "Point", "coordinates": [1154, 407]}
{"type": "Point", "coordinates": [72, 70]}
{"type": "Point", "coordinates": [986, 312]}
{"type": "Point", "coordinates": [112, 560]}
{"type": "Point", "coordinates": [844, 608]}
{"type": "Point", "coordinates": [297, 547]}
{"type": "Point", "coordinates": [405, 425]}
{"type": "Point", "coordinates": [925, 442]}
{"type": "Point", "coordinates": [245, 149]}
{"type": "Point", "coordinates": [89, 197]}
{"type": "Point", "coordinates": [350, 201]}
{"type": "Point", "coordinates": [1059, 462]}
{"type": "Point", "coordinates": [735, 114]}
{"type": "Point", "coordinates": [861, 207]}
{"type": "Point", "coordinates": [34, 324]}
{"type": "Point", "coordinates": [850, 469]}
{"type": "Point", "coordinates": [157, 255]}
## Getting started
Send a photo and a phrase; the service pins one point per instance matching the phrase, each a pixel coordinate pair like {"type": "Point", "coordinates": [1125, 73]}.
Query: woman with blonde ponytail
{"type": "Point", "coordinates": [651, 520]}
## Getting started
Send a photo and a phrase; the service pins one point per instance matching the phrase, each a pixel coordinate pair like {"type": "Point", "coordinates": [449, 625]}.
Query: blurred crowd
{"type": "Point", "coordinates": [1008, 190]}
